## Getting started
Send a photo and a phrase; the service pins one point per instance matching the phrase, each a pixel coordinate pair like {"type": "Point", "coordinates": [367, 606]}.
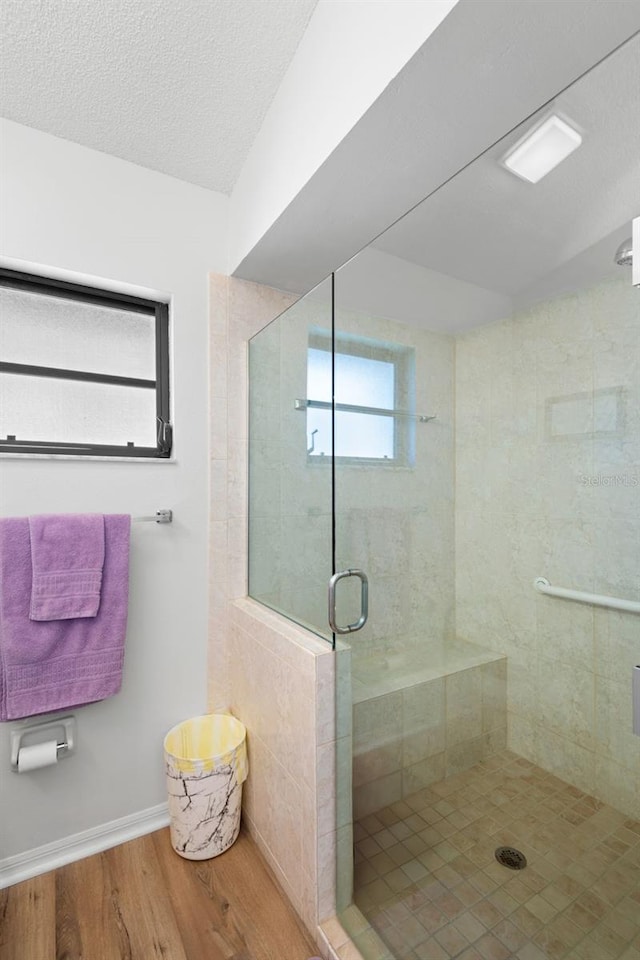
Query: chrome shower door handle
{"type": "Point", "coordinates": [364, 601]}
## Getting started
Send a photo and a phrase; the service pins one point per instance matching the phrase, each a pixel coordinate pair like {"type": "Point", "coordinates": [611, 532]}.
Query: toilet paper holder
{"type": "Point", "coordinates": [29, 734]}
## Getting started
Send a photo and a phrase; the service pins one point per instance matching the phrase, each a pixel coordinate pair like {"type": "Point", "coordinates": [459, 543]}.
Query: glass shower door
{"type": "Point", "coordinates": [290, 484]}
{"type": "Point", "coordinates": [394, 469]}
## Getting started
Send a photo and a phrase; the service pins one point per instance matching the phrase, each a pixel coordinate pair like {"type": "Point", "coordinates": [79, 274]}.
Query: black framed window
{"type": "Point", "coordinates": [83, 371]}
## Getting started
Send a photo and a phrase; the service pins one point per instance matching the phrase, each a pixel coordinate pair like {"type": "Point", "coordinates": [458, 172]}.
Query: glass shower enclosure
{"type": "Point", "coordinates": [444, 440]}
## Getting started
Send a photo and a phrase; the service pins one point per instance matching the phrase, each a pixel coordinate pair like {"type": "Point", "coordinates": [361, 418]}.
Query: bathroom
{"type": "Point", "coordinates": [50, 212]}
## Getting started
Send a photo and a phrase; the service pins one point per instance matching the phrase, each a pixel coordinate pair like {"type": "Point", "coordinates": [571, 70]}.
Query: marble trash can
{"type": "Point", "coordinates": [206, 765]}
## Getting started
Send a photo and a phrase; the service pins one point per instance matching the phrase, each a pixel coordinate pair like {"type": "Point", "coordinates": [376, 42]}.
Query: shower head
{"type": "Point", "coordinates": [624, 254]}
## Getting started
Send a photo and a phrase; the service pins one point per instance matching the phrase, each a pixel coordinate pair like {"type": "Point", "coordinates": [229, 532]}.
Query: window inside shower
{"type": "Point", "coordinates": [374, 394]}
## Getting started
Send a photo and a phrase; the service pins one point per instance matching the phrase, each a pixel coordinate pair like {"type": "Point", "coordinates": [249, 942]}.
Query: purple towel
{"type": "Point", "coordinates": [55, 664]}
{"type": "Point", "coordinates": [67, 555]}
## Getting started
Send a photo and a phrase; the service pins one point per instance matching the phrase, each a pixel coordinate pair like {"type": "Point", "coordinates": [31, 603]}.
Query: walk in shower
{"type": "Point", "coordinates": [447, 431]}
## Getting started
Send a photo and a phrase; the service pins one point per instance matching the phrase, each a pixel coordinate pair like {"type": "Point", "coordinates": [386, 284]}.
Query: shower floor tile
{"type": "Point", "coordinates": [427, 880]}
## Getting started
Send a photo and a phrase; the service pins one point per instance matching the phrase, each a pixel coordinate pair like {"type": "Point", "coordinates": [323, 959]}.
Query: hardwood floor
{"type": "Point", "coordinates": [141, 901]}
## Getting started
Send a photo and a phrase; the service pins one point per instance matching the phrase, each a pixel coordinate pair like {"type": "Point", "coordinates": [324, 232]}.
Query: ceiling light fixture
{"type": "Point", "coordinates": [542, 149]}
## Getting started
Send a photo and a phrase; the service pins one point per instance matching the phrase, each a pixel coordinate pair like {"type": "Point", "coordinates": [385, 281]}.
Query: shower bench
{"type": "Point", "coordinates": [423, 714]}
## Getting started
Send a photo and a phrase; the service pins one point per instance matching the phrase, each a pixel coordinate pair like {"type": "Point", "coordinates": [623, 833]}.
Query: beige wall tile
{"type": "Point", "coordinates": [344, 781]}
{"type": "Point", "coordinates": [423, 721]}
{"type": "Point", "coordinates": [565, 758]}
{"type": "Point", "coordinates": [614, 735]}
{"type": "Point", "coordinates": [494, 741]}
{"type": "Point", "coordinates": [463, 706]}
{"type": "Point", "coordinates": [522, 684]}
{"type": "Point", "coordinates": [461, 756]}
{"type": "Point", "coordinates": [274, 805]}
{"type": "Point", "coordinates": [326, 875]}
{"type": "Point", "coordinates": [219, 346]}
{"type": "Point", "coordinates": [546, 485]}
{"type": "Point", "coordinates": [326, 787]}
{"type": "Point", "coordinates": [218, 304]}
{"type": "Point", "coordinates": [616, 643]}
{"type": "Point", "coordinates": [420, 775]}
{"type": "Point", "coordinates": [326, 706]}
{"type": "Point", "coordinates": [565, 631]}
{"type": "Point", "coordinates": [566, 701]}
{"type": "Point", "coordinates": [521, 737]}
{"type": "Point", "coordinates": [494, 695]}
{"type": "Point", "coordinates": [617, 785]}
{"type": "Point", "coordinates": [377, 722]}
{"type": "Point", "coordinates": [376, 794]}
{"type": "Point", "coordinates": [218, 480]}
{"type": "Point", "coordinates": [379, 761]}
{"type": "Point", "coordinates": [335, 932]}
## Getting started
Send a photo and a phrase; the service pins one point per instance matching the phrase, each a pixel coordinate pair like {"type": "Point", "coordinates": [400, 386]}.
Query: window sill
{"type": "Point", "coordinates": [67, 456]}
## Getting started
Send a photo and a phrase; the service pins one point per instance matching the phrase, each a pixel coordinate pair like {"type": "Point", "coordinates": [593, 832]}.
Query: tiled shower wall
{"type": "Point", "coordinates": [275, 677]}
{"type": "Point", "coordinates": [548, 484]}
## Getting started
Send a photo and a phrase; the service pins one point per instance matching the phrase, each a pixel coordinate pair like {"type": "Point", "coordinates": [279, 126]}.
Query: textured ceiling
{"type": "Point", "coordinates": [179, 86]}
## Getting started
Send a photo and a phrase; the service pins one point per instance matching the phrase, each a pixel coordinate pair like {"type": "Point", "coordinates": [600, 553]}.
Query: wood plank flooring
{"type": "Point", "coordinates": [141, 901]}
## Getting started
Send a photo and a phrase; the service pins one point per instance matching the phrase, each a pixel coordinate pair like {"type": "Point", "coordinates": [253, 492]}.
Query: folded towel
{"type": "Point", "coordinates": [67, 555]}
{"type": "Point", "coordinates": [56, 664]}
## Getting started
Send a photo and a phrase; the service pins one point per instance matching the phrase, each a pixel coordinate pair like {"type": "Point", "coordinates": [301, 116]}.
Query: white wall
{"type": "Point", "coordinates": [71, 208]}
{"type": "Point", "coordinates": [348, 54]}
{"type": "Point", "coordinates": [384, 285]}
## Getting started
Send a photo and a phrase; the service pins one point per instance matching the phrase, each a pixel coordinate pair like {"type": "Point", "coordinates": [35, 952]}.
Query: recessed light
{"type": "Point", "coordinates": [542, 149]}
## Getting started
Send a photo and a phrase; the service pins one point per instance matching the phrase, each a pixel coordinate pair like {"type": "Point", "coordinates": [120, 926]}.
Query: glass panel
{"type": "Point", "coordinates": [363, 381]}
{"type": "Point", "coordinates": [362, 435]}
{"type": "Point", "coordinates": [72, 411]}
{"type": "Point", "coordinates": [395, 522]}
{"type": "Point", "coordinates": [319, 374]}
{"type": "Point", "coordinates": [357, 435]}
{"type": "Point", "coordinates": [319, 432]}
{"type": "Point", "coordinates": [481, 714]}
{"type": "Point", "coordinates": [290, 551]}
{"type": "Point", "coordinates": [70, 334]}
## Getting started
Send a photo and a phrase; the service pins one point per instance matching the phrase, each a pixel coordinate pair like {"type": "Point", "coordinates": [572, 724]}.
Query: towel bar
{"type": "Point", "coordinates": [160, 516]}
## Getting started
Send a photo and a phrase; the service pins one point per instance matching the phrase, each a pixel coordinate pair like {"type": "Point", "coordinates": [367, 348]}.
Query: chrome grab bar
{"type": "Point", "coordinates": [542, 585]}
{"type": "Point", "coordinates": [364, 601]}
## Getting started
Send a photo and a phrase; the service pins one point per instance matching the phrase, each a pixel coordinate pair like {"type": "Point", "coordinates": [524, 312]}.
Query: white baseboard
{"type": "Point", "coordinates": [32, 863]}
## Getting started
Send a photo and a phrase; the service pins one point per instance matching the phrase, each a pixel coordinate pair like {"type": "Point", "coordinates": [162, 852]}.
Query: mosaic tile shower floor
{"type": "Point", "coordinates": [427, 880]}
